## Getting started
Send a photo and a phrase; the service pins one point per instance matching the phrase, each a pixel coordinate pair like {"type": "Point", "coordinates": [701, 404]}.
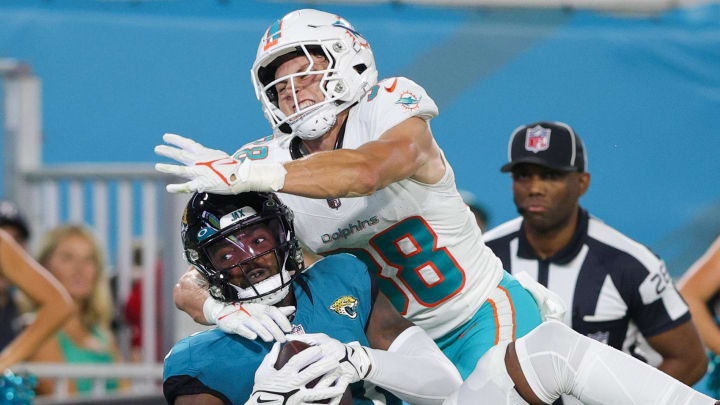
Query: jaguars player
{"type": "Point", "coordinates": [356, 161]}
{"type": "Point", "coordinates": [245, 247]}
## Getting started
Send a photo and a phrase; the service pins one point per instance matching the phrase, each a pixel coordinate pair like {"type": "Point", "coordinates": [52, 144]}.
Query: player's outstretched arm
{"type": "Point", "coordinates": [214, 171]}
{"type": "Point", "coordinates": [54, 304]}
{"type": "Point", "coordinates": [406, 150]}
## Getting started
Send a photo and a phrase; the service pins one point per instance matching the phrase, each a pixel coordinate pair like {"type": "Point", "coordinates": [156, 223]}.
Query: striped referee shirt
{"type": "Point", "coordinates": [616, 290]}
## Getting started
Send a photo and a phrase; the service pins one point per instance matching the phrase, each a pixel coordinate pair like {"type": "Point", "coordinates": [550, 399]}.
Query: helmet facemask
{"type": "Point", "coordinates": [244, 245]}
{"type": "Point", "coordinates": [250, 261]}
{"type": "Point", "coordinates": [311, 121]}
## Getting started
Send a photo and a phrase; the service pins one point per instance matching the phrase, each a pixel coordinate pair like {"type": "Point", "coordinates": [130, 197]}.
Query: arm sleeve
{"type": "Point", "coordinates": [414, 369]}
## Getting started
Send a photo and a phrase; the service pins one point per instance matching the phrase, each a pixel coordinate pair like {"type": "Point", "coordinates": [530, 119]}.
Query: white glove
{"type": "Point", "coordinates": [249, 320]}
{"type": "Point", "coordinates": [214, 171]}
{"type": "Point", "coordinates": [287, 386]}
{"type": "Point", "coordinates": [550, 304]}
{"type": "Point", "coordinates": [355, 362]}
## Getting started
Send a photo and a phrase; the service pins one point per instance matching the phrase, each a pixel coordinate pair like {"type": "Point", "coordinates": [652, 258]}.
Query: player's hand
{"type": "Point", "coordinates": [208, 169]}
{"type": "Point", "coordinates": [249, 320]}
{"type": "Point", "coordinates": [214, 171]}
{"type": "Point", "coordinates": [355, 362]}
{"type": "Point", "coordinates": [288, 386]}
{"type": "Point", "coordinates": [550, 304]}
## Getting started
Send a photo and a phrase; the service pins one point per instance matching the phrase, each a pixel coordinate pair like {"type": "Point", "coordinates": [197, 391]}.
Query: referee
{"type": "Point", "coordinates": [617, 291]}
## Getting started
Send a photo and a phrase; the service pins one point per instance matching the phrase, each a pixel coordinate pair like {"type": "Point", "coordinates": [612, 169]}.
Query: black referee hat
{"type": "Point", "coordinates": [10, 216]}
{"type": "Point", "coordinates": [550, 144]}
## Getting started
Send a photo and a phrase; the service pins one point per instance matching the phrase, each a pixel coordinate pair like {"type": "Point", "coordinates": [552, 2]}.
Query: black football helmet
{"type": "Point", "coordinates": [233, 239]}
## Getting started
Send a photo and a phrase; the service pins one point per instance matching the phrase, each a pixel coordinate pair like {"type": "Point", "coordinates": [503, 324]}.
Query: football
{"type": "Point", "coordinates": [288, 350]}
{"type": "Point", "coordinates": [293, 347]}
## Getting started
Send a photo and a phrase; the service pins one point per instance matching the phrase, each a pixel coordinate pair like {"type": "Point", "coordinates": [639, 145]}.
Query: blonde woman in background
{"type": "Point", "coordinates": [700, 286]}
{"type": "Point", "coordinates": [73, 256]}
{"type": "Point", "coordinates": [53, 303]}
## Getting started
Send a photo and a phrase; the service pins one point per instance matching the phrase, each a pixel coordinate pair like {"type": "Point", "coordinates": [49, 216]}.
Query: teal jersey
{"type": "Point", "coordinates": [334, 296]}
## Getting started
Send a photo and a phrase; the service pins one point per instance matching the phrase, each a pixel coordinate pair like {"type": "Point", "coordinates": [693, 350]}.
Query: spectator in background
{"type": "Point", "coordinates": [701, 288]}
{"type": "Point", "coordinates": [71, 254]}
{"type": "Point", "coordinates": [618, 291]}
{"type": "Point", "coordinates": [20, 270]}
{"type": "Point", "coordinates": [481, 216]}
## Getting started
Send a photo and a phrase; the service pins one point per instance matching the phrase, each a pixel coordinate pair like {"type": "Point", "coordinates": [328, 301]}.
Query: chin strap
{"type": "Point", "coordinates": [296, 147]}
{"type": "Point", "coordinates": [315, 124]}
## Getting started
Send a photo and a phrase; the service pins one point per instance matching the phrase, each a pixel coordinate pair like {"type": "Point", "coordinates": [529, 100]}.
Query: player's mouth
{"type": "Point", "coordinates": [305, 104]}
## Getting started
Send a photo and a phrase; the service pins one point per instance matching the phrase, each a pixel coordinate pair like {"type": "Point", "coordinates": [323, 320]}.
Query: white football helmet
{"type": "Point", "coordinates": [350, 73]}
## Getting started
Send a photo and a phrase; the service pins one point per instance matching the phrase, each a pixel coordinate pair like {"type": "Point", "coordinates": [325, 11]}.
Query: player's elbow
{"type": "Point", "coordinates": [183, 302]}
{"type": "Point", "coordinates": [180, 296]}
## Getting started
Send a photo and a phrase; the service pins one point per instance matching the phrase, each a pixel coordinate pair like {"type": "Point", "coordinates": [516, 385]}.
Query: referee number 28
{"type": "Point", "coordinates": [430, 274]}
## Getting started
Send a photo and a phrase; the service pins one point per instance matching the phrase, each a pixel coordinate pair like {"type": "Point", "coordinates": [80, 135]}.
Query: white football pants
{"type": "Point", "coordinates": [557, 360]}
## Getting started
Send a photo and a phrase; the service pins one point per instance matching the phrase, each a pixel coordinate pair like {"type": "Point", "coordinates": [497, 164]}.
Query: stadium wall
{"type": "Point", "coordinates": [642, 91]}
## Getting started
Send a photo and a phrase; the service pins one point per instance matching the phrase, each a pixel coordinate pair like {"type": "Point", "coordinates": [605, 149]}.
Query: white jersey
{"type": "Point", "coordinates": [420, 239]}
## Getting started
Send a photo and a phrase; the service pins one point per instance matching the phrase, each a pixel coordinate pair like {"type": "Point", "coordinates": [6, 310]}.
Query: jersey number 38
{"type": "Point", "coordinates": [430, 274]}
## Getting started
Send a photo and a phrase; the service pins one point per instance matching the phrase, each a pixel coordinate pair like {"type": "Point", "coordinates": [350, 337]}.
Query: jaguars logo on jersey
{"type": "Point", "coordinates": [346, 305]}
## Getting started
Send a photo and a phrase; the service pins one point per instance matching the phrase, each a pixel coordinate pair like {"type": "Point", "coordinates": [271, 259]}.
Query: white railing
{"type": "Point", "coordinates": [125, 186]}
{"type": "Point", "coordinates": [104, 196]}
{"type": "Point", "coordinates": [144, 379]}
